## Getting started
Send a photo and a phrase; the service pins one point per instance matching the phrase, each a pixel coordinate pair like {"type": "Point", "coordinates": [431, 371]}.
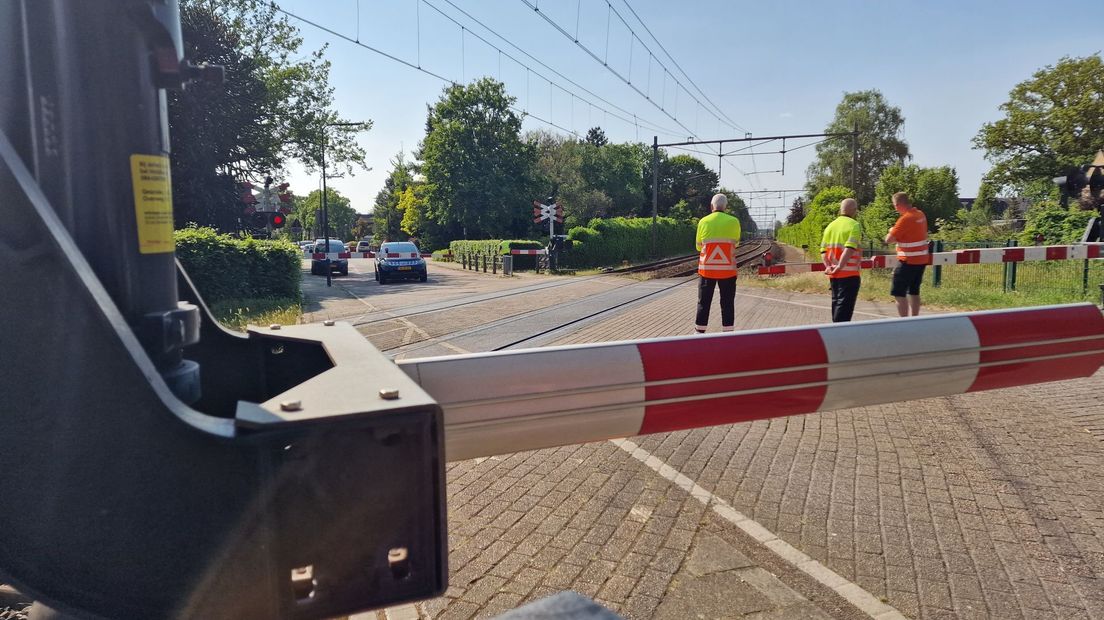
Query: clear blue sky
{"type": "Point", "coordinates": [771, 67]}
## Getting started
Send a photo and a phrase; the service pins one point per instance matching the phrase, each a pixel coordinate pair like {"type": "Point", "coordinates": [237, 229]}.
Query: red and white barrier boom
{"type": "Point", "coordinates": [963, 257]}
{"type": "Point", "coordinates": [502, 402]}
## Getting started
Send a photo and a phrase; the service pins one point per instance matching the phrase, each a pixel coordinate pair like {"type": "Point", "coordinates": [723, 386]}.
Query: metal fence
{"type": "Point", "coordinates": [1066, 278]}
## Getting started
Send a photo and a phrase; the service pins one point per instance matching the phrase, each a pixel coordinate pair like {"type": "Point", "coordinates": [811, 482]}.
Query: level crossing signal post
{"type": "Point", "coordinates": [302, 474]}
{"type": "Point", "coordinates": [552, 212]}
{"type": "Point", "coordinates": [268, 208]}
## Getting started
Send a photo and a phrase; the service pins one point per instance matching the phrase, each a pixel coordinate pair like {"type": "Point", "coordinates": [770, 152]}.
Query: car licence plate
{"type": "Point", "coordinates": [405, 268]}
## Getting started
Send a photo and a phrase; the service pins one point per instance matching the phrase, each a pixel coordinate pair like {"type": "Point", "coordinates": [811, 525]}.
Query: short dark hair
{"type": "Point", "coordinates": [901, 198]}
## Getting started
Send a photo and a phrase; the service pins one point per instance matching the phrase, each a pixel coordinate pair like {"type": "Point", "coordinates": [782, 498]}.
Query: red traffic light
{"type": "Point", "coordinates": [278, 220]}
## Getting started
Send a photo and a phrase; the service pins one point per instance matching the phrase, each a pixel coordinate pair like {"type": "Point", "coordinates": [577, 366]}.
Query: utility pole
{"type": "Point", "coordinates": [655, 192]}
{"type": "Point", "coordinates": [325, 210]}
{"type": "Point", "coordinates": [854, 155]}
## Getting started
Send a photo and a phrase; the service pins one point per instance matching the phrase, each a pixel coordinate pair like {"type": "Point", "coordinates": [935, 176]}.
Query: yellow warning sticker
{"type": "Point", "coordinates": [152, 203]}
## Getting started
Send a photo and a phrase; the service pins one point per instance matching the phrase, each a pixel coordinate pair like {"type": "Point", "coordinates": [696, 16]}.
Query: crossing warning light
{"type": "Point", "coordinates": [278, 220]}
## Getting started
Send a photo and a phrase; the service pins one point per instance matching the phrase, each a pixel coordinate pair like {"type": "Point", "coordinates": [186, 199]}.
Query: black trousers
{"type": "Point", "coordinates": [705, 300]}
{"type": "Point", "coordinates": [844, 293]}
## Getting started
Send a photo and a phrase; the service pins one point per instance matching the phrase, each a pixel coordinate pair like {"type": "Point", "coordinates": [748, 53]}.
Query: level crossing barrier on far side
{"type": "Point", "coordinates": [1066, 270]}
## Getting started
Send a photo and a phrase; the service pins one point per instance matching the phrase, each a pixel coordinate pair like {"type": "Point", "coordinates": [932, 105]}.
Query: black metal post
{"type": "Point", "coordinates": [325, 211]}
{"type": "Point", "coordinates": [854, 156]}
{"type": "Point", "coordinates": [655, 190]}
{"type": "Point", "coordinates": [116, 205]}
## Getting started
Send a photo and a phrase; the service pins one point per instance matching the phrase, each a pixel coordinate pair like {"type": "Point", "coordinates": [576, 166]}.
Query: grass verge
{"type": "Point", "coordinates": [949, 296]}
{"type": "Point", "coordinates": [237, 313]}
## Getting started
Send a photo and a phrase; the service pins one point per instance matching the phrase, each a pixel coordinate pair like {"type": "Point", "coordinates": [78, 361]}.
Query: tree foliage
{"type": "Point", "coordinates": [818, 214]}
{"type": "Point", "coordinates": [932, 190]}
{"type": "Point", "coordinates": [271, 108]}
{"type": "Point", "coordinates": [596, 137]}
{"type": "Point", "coordinates": [1057, 224]}
{"type": "Point", "coordinates": [386, 215]}
{"type": "Point", "coordinates": [681, 177]}
{"type": "Point", "coordinates": [478, 170]}
{"type": "Point", "coordinates": [879, 145]}
{"type": "Point", "coordinates": [797, 211]}
{"type": "Point", "coordinates": [1053, 121]}
{"type": "Point", "coordinates": [343, 218]}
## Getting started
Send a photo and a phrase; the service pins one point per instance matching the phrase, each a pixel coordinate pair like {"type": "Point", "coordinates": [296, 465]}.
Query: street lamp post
{"type": "Point", "coordinates": [325, 210]}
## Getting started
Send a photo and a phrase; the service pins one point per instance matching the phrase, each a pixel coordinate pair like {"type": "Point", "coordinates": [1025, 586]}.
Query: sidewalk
{"type": "Point", "coordinates": [978, 506]}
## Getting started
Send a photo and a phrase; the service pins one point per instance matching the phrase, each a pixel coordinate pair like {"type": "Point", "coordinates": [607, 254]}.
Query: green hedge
{"type": "Point", "coordinates": [818, 214]}
{"type": "Point", "coordinates": [491, 247]}
{"type": "Point", "coordinates": [223, 267]}
{"type": "Point", "coordinates": [465, 246]}
{"type": "Point", "coordinates": [610, 241]}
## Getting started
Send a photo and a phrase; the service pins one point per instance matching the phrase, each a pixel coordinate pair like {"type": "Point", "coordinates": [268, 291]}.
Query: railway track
{"type": "Point", "coordinates": [533, 325]}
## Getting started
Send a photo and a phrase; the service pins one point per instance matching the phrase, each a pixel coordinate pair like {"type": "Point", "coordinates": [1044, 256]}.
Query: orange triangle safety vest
{"type": "Point", "coordinates": [717, 238]}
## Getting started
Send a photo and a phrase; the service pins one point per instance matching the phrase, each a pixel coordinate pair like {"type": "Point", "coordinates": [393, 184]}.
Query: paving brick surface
{"type": "Point", "coordinates": [989, 505]}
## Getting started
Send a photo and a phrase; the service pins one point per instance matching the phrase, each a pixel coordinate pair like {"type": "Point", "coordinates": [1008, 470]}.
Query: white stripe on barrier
{"type": "Point", "coordinates": [1035, 253]}
{"type": "Point", "coordinates": [522, 409]}
{"type": "Point", "coordinates": [890, 357]}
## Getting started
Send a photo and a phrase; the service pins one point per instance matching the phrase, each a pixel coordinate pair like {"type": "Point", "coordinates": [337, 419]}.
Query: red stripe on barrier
{"type": "Point", "coordinates": [343, 255]}
{"type": "Point", "coordinates": [879, 261]}
{"type": "Point", "coordinates": [1013, 255]}
{"type": "Point", "coordinates": [687, 359]}
{"type": "Point", "coordinates": [318, 256]}
{"type": "Point", "coordinates": [817, 266]}
{"type": "Point", "coordinates": [1029, 327]}
{"type": "Point", "coordinates": [1057, 252]}
{"type": "Point", "coordinates": [1095, 251]}
{"type": "Point", "coordinates": [967, 257]}
{"type": "Point", "coordinates": [866, 264]}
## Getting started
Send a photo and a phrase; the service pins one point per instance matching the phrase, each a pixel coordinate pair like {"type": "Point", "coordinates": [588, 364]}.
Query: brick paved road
{"type": "Point", "coordinates": [985, 505]}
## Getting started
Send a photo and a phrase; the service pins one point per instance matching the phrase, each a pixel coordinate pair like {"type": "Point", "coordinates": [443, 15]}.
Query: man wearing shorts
{"type": "Point", "coordinates": [910, 233]}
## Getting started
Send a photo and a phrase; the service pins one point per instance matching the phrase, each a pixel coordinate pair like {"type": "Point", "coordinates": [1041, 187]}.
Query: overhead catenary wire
{"type": "Point", "coordinates": [732, 123]}
{"type": "Point", "coordinates": [605, 64]}
{"type": "Point", "coordinates": [611, 9]}
{"type": "Point", "coordinates": [638, 122]}
{"type": "Point", "coordinates": [419, 68]}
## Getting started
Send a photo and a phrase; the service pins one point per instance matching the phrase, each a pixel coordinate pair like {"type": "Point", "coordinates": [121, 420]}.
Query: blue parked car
{"type": "Point", "coordinates": [399, 260]}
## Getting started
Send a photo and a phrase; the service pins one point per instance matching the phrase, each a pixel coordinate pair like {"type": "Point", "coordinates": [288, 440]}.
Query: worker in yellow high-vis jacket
{"type": "Point", "coordinates": [717, 239]}
{"type": "Point", "coordinates": [841, 254]}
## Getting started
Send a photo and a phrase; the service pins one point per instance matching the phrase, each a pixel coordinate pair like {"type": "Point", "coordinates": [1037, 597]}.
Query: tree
{"type": "Point", "coordinates": [270, 108]}
{"type": "Point", "coordinates": [933, 190]}
{"type": "Point", "coordinates": [386, 216]}
{"type": "Point", "coordinates": [596, 137]}
{"type": "Point", "coordinates": [478, 170]}
{"type": "Point", "coordinates": [343, 218]}
{"type": "Point", "coordinates": [682, 177]}
{"type": "Point", "coordinates": [797, 211]}
{"type": "Point", "coordinates": [1057, 224]}
{"type": "Point", "coordinates": [614, 170]}
{"type": "Point", "coordinates": [879, 145]}
{"type": "Point", "coordinates": [1052, 121]}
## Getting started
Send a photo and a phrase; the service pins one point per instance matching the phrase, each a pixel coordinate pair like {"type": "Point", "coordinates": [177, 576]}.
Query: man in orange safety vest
{"type": "Point", "coordinates": [717, 239]}
{"type": "Point", "coordinates": [910, 233]}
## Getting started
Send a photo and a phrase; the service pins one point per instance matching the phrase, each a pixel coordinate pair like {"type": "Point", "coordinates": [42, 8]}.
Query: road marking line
{"type": "Point", "coordinates": [853, 593]}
